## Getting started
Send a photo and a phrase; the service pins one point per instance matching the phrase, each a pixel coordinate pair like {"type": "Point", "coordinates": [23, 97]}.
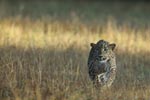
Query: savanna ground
{"type": "Point", "coordinates": [44, 49]}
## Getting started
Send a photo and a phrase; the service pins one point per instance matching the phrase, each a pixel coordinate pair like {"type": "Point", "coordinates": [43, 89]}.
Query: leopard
{"type": "Point", "coordinates": [102, 63]}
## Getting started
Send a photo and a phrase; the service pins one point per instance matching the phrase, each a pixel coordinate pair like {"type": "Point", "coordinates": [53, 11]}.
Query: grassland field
{"type": "Point", "coordinates": [44, 48]}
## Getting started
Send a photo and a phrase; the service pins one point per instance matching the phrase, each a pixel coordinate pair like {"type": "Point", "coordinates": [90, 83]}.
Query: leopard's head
{"type": "Point", "coordinates": [103, 50]}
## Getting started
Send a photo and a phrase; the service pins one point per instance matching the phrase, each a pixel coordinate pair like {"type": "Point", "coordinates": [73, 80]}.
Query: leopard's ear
{"type": "Point", "coordinates": [92, 44]}
{"type": "Point", "coordinates": [112, 46]}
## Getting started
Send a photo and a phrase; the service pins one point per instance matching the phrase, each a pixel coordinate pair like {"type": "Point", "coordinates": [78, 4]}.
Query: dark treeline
{"type": "Point", "coordinates": [134, 1]}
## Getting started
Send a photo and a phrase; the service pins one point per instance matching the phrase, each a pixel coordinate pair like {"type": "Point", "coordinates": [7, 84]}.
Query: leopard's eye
{"type": "Point", "coordinates": [105, 49]}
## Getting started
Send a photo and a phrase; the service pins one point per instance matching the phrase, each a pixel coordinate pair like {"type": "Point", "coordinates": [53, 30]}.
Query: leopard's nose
{"type": "Point", "coordinates": [102, 58]}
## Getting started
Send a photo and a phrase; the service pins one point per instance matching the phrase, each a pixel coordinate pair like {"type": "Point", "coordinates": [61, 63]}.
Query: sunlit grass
{"type": "Point", "coordinates": [25, 33]}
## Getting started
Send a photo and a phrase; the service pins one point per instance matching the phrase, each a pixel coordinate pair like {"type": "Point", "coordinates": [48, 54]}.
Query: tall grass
{"type": "Point", "coordinates": [47, 60]}
{"type": "Point", "coordinates": [35, 65]}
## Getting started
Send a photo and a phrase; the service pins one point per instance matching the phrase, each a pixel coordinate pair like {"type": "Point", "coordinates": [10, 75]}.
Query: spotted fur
{"type": "Point", "coordinates": [102, 63]}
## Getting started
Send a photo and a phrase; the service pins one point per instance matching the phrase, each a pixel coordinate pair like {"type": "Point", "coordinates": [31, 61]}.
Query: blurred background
{"type": "Point", "coordinates": [44, 47]}
{"type": "Point", "coordinates": [135, 12]}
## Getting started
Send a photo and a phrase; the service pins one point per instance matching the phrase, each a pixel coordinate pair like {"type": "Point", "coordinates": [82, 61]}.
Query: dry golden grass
{"type": "Point", "coordinates": [46, 59]}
